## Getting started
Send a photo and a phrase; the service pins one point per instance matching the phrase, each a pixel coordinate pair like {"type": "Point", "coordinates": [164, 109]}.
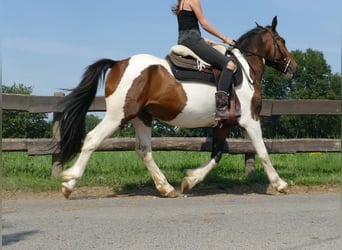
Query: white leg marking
{"type": "Point", "coordinates": [144, 150]}
{"type": "Point", "coordinates": [195, 176]}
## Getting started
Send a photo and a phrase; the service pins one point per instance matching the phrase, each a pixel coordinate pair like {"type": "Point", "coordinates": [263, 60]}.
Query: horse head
{"type": "Point", "coordinates": [267, 44]}
{"type": "Point", "coordinates": [278, 55]}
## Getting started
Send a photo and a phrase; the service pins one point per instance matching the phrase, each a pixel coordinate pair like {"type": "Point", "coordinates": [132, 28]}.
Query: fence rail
{"type": "Point", "coordinates": [236, 146]}
{"type": "Point", "coordinates": [49, 104]}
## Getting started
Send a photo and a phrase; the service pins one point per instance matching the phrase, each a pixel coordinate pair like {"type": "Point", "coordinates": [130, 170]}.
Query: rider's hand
{"type": "Point", "coordinates": [228, 41]}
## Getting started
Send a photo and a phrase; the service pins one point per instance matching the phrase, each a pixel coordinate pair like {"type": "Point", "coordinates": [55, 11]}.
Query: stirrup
{"type": "Point", "coordinates": [222, 114]}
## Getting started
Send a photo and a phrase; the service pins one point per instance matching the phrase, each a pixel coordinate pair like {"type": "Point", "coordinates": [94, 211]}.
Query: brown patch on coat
{"type": "Point", "coordinates": [115, 75]}
{"type": "Point", "coordinates": [256, 72]}
{"type": "Point", "coordinates": [155, 92]}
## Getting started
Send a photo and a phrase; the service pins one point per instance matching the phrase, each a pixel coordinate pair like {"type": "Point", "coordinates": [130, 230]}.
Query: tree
{"type": "Point", "coordinates": [314, 77]}
{"type": "Point", "coordinates": [314, 80]}
{"type": "Point", "coordinates": [91, 122]}
{"type": "Point", "coordinates": [16, 124]}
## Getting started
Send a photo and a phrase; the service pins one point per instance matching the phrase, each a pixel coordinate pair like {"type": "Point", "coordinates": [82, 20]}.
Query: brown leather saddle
{"type": "Point", "coordinates": [187, 66]}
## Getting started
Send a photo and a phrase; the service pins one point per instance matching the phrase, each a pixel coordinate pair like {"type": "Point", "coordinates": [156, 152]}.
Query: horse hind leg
{"type": "Point", "coordinates": [195, 176]}
{"type": "Point", "coordinates": [144, 151]}
{"type": "Point", "coordinates": [93, 139]}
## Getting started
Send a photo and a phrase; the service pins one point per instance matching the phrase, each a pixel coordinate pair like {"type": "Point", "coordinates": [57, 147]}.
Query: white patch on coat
{"type": "Point", "coordinates": [200, 106]}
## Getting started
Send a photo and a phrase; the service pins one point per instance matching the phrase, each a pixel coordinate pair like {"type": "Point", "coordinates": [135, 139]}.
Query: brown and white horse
{"type": "Point", "coordinates": [143, 86]}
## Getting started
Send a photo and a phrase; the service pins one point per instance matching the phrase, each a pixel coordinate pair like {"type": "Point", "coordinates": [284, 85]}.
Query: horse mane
{"type": "Point", "coordinates": [246, 38]}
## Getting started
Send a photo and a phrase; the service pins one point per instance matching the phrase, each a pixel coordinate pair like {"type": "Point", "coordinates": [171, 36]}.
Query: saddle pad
{"type": "Point", "coordinates": [184, 51]}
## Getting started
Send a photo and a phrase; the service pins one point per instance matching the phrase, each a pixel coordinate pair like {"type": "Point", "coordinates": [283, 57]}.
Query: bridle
{"type": "Point", "coordinates": [274, 60]}
{"type": "Point", "coordinates": [276, 48]}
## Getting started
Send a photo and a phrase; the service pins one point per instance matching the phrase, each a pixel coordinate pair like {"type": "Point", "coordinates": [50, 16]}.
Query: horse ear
{"type": "Point", "coordinates": [258, 25]}
{"type": "Point", "coordinates": [274, 23]}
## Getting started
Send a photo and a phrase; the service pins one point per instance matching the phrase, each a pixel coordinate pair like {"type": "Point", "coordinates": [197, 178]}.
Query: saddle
{"type": "Point", "coordinates": [187, 66]}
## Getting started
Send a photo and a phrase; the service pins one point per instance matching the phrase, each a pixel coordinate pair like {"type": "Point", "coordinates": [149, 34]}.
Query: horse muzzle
{"type": "Point", "coordinates": [290, 69]}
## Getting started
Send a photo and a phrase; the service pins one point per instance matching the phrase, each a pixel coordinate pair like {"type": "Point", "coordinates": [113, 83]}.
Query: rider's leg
{"type": "Point", "coordinates": [223, 91]}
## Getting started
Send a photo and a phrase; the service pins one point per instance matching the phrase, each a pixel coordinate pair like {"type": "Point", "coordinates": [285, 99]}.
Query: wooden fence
{"type": "Point", "coordinates": [48, 104]}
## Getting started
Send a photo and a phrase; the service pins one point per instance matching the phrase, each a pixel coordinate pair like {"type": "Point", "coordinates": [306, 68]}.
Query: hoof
{"type": "Point", "coordinates": [187, 184]}
{"type": "Point", "coordinates": [285, 190]}
{"type": "Point", "coordinates": [173, 194]}
{"type": "Point", "coordinates": [66, 192]}
{"type": "Point", "coordinates": [250, 172]}
{"type": "Point", "coordinates": [283, 187]}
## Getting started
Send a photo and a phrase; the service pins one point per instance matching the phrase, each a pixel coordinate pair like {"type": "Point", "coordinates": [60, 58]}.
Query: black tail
{"type": "Point", "coordinates": [75, 107]}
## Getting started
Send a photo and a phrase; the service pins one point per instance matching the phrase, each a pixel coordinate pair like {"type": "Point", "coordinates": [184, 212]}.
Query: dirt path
{"type": "Point", "coordinates": [105, 192]}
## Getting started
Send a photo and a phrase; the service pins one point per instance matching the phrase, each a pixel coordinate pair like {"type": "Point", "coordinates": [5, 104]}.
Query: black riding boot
{"type": "Point", "coordinates": [221, 98]}
{"type": "Point", "coordinates": [222, 94]}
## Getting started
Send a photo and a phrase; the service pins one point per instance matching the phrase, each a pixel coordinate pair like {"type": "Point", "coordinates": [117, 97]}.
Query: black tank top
{"type": "Point", "coordinates": [187, 20]}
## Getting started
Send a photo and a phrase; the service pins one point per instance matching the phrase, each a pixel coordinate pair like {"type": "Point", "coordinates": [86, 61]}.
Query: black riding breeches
{"type": "Point", "coordinates": [193, 40]}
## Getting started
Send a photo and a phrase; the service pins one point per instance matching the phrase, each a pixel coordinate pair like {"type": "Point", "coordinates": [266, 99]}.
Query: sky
{"type": "Point", "coordinates": [47, 44]}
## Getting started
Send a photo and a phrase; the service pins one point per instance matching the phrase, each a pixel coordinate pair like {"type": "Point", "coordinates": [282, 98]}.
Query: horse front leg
{"type": "Point", "coordinates": [195, 176]}
{"type": "Point", "coordinates": [144, 151]}
{"type": "Point", "coordinates": [253, 129]}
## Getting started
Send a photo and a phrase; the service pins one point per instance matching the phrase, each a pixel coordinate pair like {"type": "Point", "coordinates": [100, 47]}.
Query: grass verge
{"type": "Point", "coordinates": [123, 170]}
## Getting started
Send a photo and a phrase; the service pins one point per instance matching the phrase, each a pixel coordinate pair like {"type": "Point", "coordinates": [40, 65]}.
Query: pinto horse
{"type": "Point", "coordinates": [143, 86]}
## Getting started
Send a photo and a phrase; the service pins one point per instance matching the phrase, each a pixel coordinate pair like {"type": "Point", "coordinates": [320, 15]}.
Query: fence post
{"type": "Point", "coordinates": [57, 166]}
{"type": "Point", "coordinates": [249, 163]}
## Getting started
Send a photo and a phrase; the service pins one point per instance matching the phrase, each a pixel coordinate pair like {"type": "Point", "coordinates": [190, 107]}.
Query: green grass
{"type": "Point", "coordinates": [121, 170]}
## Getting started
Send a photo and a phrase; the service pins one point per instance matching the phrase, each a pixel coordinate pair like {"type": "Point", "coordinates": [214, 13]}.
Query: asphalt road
{"type": "Point", "coordinates": [146, 222]}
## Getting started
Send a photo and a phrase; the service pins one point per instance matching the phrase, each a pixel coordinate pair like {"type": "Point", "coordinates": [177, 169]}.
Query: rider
{"type": "Point", "coordinates": [189, 15]}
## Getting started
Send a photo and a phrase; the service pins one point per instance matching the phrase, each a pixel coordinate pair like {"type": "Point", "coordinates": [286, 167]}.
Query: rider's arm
{"type": "Point", "coordinates": [197, 9]}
